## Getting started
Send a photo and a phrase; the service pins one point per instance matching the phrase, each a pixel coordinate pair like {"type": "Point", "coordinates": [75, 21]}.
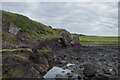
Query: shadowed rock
{"type": "Point", "coordinates": [89, 70]}
{"type": "Point", "coordinates": [52, 43]}
{"type": "Point", "coordinates": [28, 65]}
{"type": "Point", "coordinates": [47, 43]}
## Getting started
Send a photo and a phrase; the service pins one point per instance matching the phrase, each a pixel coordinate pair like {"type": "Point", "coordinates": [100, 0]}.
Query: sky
{"type": "Point", "coordinates": [89, 18]}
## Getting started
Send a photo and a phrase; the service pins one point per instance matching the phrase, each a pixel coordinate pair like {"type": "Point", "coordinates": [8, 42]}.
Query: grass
{"type": "Point", "coordinates": [102, 39]}
{"type": "Point", "coordinates": [99, 38]}
{"type": "Point", "coordinates": [83, 42]}
{"type": "Point", "coordinates": [19, 49]}
{"type": "Point", "coordinates": [43, 50]}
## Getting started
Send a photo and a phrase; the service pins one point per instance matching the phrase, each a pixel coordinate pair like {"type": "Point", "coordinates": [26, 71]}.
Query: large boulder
{"type": "Point", "coordinates": [90, 70]}
{"type": "Point", "coordinates": [65, 38]}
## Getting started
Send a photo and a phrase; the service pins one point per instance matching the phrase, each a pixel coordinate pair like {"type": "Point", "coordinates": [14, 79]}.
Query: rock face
{"type": "Point", "coordinates": [65, 38]}
{"type": "Point", "coordinates": [90, 70]}
{"type": "Point", "coordinates": [48, 43]}
{"type": "Point", "coordinates": [24, 65]}
{"type": "Point", "coordinates": [13, 29]}
{"type": "Point", "coordinates": [53, 43]}
{"type": "Point", "coordinates": [75, 42]}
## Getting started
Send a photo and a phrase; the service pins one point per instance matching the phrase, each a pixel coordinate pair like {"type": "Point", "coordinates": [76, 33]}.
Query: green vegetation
{"type": "Point", "coordinates": [84, 39]}
{"type": "Point", "coordinates": [19, 49]}
{"type": "Point", "coordinates": [13, 73]}
{"type": "Point", "coordinates": [33, 30]}
{"type": "Point", "coordinates": [28, 28]}
{"type": "Point", "coordinates": [102, 39]}
{"type": "Point", "coordinates": [99, 38]}
{"type": "Point", "coordinates": [43, 50]}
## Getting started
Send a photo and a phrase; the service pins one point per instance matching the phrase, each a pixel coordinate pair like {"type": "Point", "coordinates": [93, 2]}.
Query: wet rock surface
{"type": "Point", "coordinates": [84, 62]}
{"type": "Point", "coordinates": [91, 63]}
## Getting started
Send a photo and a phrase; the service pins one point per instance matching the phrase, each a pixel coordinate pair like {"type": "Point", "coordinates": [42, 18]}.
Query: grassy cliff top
{"type": "Point", "coordinates": [28, 28]}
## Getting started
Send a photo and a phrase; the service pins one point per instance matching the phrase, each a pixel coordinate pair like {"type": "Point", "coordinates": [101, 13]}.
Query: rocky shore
{"type": "Point", "coordinates": [90, 63]}
{"type": "Point", "coordinates": [82, 61]}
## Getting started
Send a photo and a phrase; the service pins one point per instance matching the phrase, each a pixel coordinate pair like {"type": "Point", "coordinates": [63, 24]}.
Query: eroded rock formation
{"type": "Point", "coordinates": [63, 41]}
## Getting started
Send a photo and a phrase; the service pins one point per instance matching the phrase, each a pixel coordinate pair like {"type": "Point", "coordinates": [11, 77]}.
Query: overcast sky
{"type": "Point", "coordinates": [90, 18]}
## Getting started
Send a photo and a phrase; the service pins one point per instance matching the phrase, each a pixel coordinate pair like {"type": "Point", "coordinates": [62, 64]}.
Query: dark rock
{"type": "Point", "coordinates": [23, 65]}
{"type": "Point", "coordinates": [89, 70]}
{"type": "Point", "coordinates": [106, 71]}
{"type": "Point", "coordinates": [79, 77]}
{"type": "Point", "coordinates": [103, 59]}
{"type": "Point", "coordinates": [81, 66]}
{"type": "Point", "coordinates": [15, 66]}
{"type": "Point", "coordinates": [47, 43]}
{"type": "Point", "coordinates": [102, 77]}
{"type": "Point", "coordinates": [65, 38]}
{"type": "Point", "coordinates": [87, 78]}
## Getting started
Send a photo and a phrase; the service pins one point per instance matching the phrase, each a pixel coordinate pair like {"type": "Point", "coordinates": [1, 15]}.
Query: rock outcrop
{"type": "Point", "coordinates": [22, 64]}
{"type": "Point", "coordinates": [65, 38]}
{"type": "Point", "coordinates": [76, 41]}
{"type": "Point", "coordinates": [46, 43]}
{"type": "Point", "coordinates": [63, 41]}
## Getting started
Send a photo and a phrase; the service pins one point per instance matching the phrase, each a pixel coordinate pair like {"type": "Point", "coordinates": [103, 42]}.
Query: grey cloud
{"type": "Point", "coordinates": [82, 17]}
